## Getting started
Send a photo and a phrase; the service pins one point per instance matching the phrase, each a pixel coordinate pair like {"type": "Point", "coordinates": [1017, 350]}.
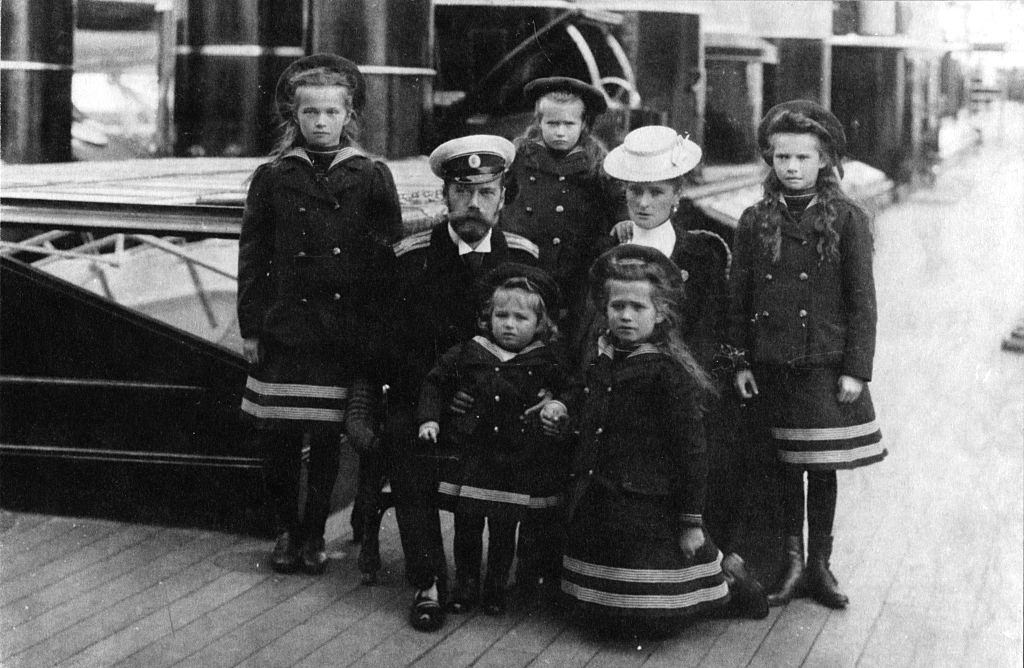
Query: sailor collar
{"type": "Point", "coordinates": [501, 353]}
{"type": "Point", "coordinates": [604, 347]}
{"type": "Point", "coordinates": [344, 154]}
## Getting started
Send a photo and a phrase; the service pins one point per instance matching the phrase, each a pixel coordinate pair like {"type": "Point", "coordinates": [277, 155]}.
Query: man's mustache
{"type": "Point", "coordinates": [469, 217]}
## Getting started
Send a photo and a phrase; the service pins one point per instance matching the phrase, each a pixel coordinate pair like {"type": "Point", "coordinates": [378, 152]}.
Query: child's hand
{"type": "Point", "coordinates": [623, 231]}
{"type": "Point", "coordinates": [745, 384]}
{"type": "Point", "coordinates": [429, 431]}
{"type": "Point", "coordinates": [691, 540]}
{"type": "Point", "coordinates": [251, 350]}
{"type": "Point", "coordinates": [849, 389]}
{"type": "Point", "coordinates": [462, 402]}
{"type": "Point", "coordinates": [545, 396]}
{"type": "Point", "coordinates": [554, 418]}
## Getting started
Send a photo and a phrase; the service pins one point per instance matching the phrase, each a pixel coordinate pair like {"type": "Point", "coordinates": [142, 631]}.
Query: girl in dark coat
{"type": "Point", "coordinates": [314, 263]}
{"type": "Point", "coordinates": [510, 468]}
{"type": "Point", "coordinates": [560, 198]}
{"type": "Point", "coordinates": [802, 321]}
{"type": "Point", "coordinates": [652, 163]}
{"type": "Point", "coordinates": [636, 553]}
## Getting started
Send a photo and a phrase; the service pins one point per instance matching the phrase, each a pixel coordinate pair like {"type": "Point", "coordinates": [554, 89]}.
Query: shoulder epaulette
{"type": "Point", "coordinates": [716, 240]}
{"type": "Point", "coordinates": [519, 242]}
{"type": "Point", "coordinates": [412, 242]}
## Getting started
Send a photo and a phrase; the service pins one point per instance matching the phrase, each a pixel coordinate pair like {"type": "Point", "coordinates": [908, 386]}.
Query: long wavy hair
{"type": "Point", "coordinates": [770, 209]}
{"type": "Point", "coordinates": [666, 295]}
{"type": "Point", "coordinates": [594, 149]}
{"type": "Point", "coordinates": [288, 125]}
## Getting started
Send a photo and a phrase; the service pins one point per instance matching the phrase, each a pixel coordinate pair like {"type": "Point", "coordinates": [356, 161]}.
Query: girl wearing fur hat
{"type": "Point", "coordinates": [652, 163]}
{"type": "Point", "coordinates": [560, 198]}
{"type": "Point", "coordinates": [802, 321]}
{"type": "Point", "coordinates": [314, 262]}
{"type": "Point", "coordinates": [637, 558]}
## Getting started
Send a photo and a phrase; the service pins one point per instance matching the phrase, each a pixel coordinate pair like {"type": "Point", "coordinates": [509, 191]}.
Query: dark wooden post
{"type": "Point", "coordinates": [230, 53]}
{"type": "Point", "coordinates": [669, 69]}
{"type": "Point", "coordinates": [35, 89]}
{"type": "Point", "coordinates": [392, 40]}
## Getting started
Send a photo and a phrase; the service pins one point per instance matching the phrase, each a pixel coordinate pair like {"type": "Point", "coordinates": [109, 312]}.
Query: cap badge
{"type": "Point", "coordinates": [474, 161]}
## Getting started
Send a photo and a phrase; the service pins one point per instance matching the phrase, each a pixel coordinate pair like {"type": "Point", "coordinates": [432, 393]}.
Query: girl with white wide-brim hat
{"type": "Point", "coordinates": [653, 162]}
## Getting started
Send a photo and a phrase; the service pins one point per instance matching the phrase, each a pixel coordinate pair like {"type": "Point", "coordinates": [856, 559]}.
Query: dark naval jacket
{"type": "Point", "coordinates": [315, 254]}
{"type": "Point", "coordinates": [802, 311]}
{"type": "Point", "coordinates": [438, 300]}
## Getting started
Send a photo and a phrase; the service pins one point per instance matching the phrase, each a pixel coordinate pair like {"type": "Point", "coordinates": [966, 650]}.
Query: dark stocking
{"type": "Point", "coordinates": [822, 489]}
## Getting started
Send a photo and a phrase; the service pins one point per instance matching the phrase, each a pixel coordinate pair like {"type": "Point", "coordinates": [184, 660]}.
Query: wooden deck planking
{"type": "Point", "coordinates": [139, 555]}
{"type": "Point", "coordinates": [290, 613]}
{"type": "Point", "coordinates": [95, 628]}
{"type": "Point", "coordinates": [13, 588]}
{"type": "Point", "coordinates": [207, 628]}
{"type": "Point", "coordinates": [569, 648]}
{"type": "Point", "coordinates": [165, 622]}
{"type": "Point", "coordinates": [48, 542]}
{"type": "Point", "coordinates": [169, 553]}
{"type": "Point", "coordinates": [314, 633]}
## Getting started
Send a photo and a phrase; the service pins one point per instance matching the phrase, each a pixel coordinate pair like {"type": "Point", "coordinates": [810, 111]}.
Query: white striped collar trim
{"type": "Point", "coordinates": [824, 434]}
{"type": "Point", "coordinates": [342, 155]}
{"type": "Point", "coordinates": [604, 347]}
{"type": "Point", "coordinates": [502, 354]}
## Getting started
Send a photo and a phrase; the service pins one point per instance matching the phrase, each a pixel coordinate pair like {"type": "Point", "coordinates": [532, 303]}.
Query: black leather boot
{"type": "Point", "coordinates": [819, 582]}
{"type": "Point", "coordinates": [748, 597]}
{"type": "Point", "coordinates": [790, 584]}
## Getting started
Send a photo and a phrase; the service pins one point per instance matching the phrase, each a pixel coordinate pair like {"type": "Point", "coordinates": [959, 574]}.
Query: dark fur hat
{"type": "Point", "coordinates": [284, 93]}
{"type": "Point", "coordinates": [796, 116]}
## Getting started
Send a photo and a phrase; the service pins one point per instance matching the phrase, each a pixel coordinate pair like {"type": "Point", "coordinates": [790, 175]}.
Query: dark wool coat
{"type": "Point", "coordinates": [438, 301]}
{"type": "Point", "coordinates": [641, 433]}
{"type": "Point", "coordinates": [499, 448]}
{"type": "Point", "coordinates": [564, 209]}
{"type": "Point", "coordinates": [315, 260]}
{"type": "Point", "coordinates": [803, 312]}
{"type": "Point", "coordinates": [704, 259]}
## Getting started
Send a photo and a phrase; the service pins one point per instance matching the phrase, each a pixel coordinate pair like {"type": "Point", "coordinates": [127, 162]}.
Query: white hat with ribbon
{"type": "Point", "coordinates": [652, 153]}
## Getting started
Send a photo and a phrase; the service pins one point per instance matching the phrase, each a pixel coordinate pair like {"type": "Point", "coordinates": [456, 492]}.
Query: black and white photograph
{"type": "Point", "coordinates": [525, 333]}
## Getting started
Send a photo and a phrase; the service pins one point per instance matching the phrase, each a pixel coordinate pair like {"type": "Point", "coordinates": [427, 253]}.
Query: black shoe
{"type": "Point", "coordinates": [465, 597]}
{"type": "Point", "coordinates": [790, 584]}
{"type": "Point", "coordinates": [819, 581]}
{"type": "Point", "coordinates": [748, 598]}
{"type": "Point", "coordinates": [313, 557]}
{"type": "Point", "coordinates": [426, 613]}
{"type": "Point", "coordinates": [285, 557]}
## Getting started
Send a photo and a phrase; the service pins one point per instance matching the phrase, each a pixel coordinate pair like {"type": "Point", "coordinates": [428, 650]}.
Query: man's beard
{"type": "Point", "coordinates": [471, 226]}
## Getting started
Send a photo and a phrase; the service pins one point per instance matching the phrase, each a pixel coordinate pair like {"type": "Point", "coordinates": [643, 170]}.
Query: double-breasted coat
{"type": "Point", "coordinates": [639, 479]}
{"type": "Point", "coordinates": [315, 266]}
{"type": "Point", "coordinates": [804, 321]}
{"type": "Point", "coordinates": [507, 467]}
{"type": "Point", "coordinates": [565, 208]}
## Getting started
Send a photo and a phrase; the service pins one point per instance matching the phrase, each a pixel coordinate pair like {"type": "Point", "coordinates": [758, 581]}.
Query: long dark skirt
{"type": "Point", "coordinates": [622, 559]}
